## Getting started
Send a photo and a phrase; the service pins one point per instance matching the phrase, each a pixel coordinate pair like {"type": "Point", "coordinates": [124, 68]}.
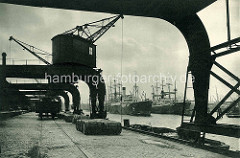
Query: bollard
{"type": "Point", "coordinates": [4, 58]}
{"type": "Point", "coordinates": [126, 122]}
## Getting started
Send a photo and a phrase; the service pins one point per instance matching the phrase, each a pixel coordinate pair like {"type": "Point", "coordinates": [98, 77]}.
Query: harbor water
{"type": "Point", "coordinates": [174, 121]}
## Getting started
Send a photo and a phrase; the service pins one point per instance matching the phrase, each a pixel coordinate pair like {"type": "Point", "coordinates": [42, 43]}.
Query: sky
{"type": "Point", "coordinates": [151, 46]}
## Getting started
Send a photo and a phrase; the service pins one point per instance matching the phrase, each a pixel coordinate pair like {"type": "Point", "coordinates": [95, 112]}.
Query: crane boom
{"type": "Point", "coordinates": [84, 30]}
{"type": "Point", "coordinates": [29, 50]}
{"type": "Point", "coordinates": [94, 37]}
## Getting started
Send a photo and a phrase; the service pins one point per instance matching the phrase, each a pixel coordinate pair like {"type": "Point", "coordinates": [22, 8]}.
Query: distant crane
{"type": "Point", "coordinates": [32, 49]}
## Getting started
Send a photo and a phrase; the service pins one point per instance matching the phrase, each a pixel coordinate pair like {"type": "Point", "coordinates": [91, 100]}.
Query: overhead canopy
{"type": "Point", "coordinates": [166, 9]}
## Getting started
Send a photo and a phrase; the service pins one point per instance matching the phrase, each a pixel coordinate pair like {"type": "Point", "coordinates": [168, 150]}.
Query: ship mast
{"type": "Point", "coordinates": [153, 93]}
{"type": "Point", "coordinates": [115, 89]}
{"type": "Point", "coordinates": [162, 91]}
{"type": "Point", "coordinates": [110, 95]}
{"type": "Point", "coordinates": [157, 93]}
{"type": "Point", "coordinates": [135, 90]}
{"type": "Point", "coordinates": [175, 91]}
{"type": "Point", "coordinates": [169, 91]}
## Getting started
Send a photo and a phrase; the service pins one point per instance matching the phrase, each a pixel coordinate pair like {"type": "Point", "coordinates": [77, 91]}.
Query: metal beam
{"type": "Point", "coordinates": [185, 95]}
{"type": "Point", "coordinates": [231, 50]}
{"type": "Point", "coordinates": [41, 71]}
{"type": "Point", "coordinates": [165, 9]}
{"type": "Point", "coordinates": [193, 114]}
{"type": "Point", "coordinates": [219, 129]}
{"type": "Point", "coordinates": [228, 20]}
{"type": "Point", "coordinates": [225, 44]}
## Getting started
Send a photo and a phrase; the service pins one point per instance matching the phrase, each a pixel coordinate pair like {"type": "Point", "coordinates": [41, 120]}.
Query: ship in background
{"type": "Point", "coordinates": [163, 103]}
{"type": "Point", "coordinates": [234, 112]}
{"type": "Point", "coordinates": [127, 104]}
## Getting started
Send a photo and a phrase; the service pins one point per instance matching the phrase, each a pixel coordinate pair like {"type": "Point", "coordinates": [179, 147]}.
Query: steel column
{"type": "Point", "coordinates": [199, 62]}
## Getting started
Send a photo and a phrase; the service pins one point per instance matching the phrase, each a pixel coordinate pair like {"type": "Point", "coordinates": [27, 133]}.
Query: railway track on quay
{"type": "Point", "coordinates": [222, 151]}
{"type": "Point", "coordinates": [82, 151]}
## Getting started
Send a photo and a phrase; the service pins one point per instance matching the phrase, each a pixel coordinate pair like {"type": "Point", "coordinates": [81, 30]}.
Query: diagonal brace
{"type": "Point", "coordinates": [228, 108]}
{"type": "Point", "coordinates": [225, 82]}
{"type": "Point", "coordinates": [226, 71]}
{"type": "Point", "coordinates": [224, 99]}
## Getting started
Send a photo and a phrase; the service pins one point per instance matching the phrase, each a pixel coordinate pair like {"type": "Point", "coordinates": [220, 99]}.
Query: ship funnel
{"type": "Point", "coordinates": [124, 91]}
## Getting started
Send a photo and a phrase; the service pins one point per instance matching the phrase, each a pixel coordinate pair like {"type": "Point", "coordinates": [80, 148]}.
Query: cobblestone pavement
{"type": "Point", "coordinates": [27, 136]}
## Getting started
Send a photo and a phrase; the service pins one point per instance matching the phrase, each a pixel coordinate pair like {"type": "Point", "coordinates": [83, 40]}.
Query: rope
{"type": "Point", "coordinates": [121, 70]}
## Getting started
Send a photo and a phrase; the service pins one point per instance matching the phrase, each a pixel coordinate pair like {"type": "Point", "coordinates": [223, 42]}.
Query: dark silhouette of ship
{"type": "Point", "coordinates": [131, 104]}
{"type": "Point", "coordinates": [167, 105]}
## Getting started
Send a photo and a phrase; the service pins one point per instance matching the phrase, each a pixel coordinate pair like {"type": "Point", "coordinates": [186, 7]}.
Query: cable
{"type": "Point", "coordinates": [121, 71]}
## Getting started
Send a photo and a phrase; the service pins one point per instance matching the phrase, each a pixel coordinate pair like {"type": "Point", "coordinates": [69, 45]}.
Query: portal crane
{"type": "Point", "coordinates": [84, 48]}
{"type": "Point", "coordinates": [84, 30]}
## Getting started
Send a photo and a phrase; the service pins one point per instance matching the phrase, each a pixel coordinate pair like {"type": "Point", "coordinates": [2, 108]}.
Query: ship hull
{"type": "Point", "coordinates": [234, 112]}
{"type": "Point", "coordinates": [233, 115]}
{"type": "Point", "coordinates": [142, 108]}
{"type": "Point", "coordinates": [175, 108]}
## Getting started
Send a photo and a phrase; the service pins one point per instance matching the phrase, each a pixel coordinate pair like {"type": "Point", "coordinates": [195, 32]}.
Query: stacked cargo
{"type": "Point", "coordinates": [98, 127]}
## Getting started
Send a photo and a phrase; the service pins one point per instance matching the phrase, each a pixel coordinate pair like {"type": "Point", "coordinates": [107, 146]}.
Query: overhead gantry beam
{"type": "Point", "coordinates": [45, 71]}
{"type": "Point", "coordinates": [165, 9]}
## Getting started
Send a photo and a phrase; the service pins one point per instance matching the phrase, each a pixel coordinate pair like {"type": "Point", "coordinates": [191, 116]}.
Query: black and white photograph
{"type": "Point", "coordinates": [119, 78]}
